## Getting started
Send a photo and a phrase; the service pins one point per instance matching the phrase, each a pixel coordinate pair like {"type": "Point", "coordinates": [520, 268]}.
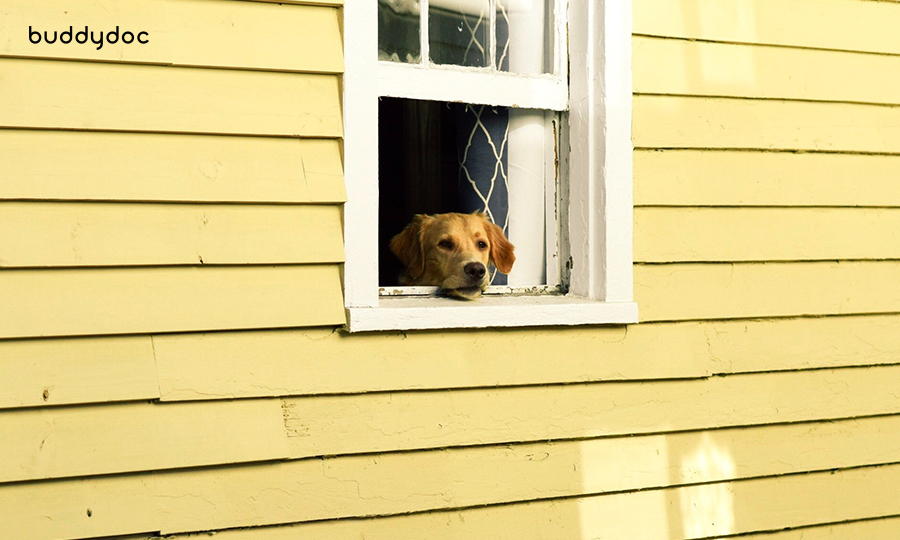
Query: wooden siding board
{"type": "Point", "coordinates": [105, 439]}
{"type": "Point", "coordinates": [766, 504]}
{"type": "Point", "coordinates": [50, 165]}
{"type": "Point", "coordinates": [333, 425]}
{"type": "Point", "coordinates": [687, 291]}
{"type": "Point", "coordinates": [358, 486]}
{"type": "Point", "coordinates": [40, 234]}
{"type": "Point", "coordinates": [175, 299]}
{"type": "Point", "coordinates": [765, 234]}
{"type": "Point", "coordinates": [418, 481]}
{"type": "Point", "coordinates": [667, 66]}
{"type": "Point", "coordinates": [739, 178]}
{"type": "Point", "coordinates": [195, 33]}
{"type": "Point", "coordinates": [245, 364]}
{"type": "Point", "coordinates": [872, 529]}
{"type": "Point", "coordinates": [696, 122]}
{"type": "Point", "coordinates": [825, 24]}
{"type": "Point", "coordinates": [68, 371]}
{"type": "Point", "coordinates": [226, 365]}
{"type": "Point", "coordinates": [59, 510]}
{"type": "Point", "coordinates": [92, 96]}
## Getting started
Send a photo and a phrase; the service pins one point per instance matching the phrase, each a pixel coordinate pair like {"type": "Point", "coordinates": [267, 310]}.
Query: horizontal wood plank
{"type": "Point", "coordinates": [92, 96]}
{"type": "Point", "coordinates": [333, 425]}
{"type": "Point", "coordinates": [80, 508]}
{"type": "Point", "coordinates": [196, 33]}
{"type": "Point", "coordinates": [418, 481]}
{"type": "Point", "coordinates": [695, 122]}
{"type": "Point", "coordinates": [50, 165]}
{"type": "Point", "coordinates": [142, 300]}
{"type": "Point", "coordinates": [870, 529]}
{"type": "Point", "coordinates": [753, 290]}
{"type": "Point", "coordinates": [765, 234]}
{"type": "Point", "coordinates": [104, 439]}
{"type": "Point", "coordinates": [739, 178]}
{"type": "Point", "coordinates": [686, 513]}
{"type": "Point", "coordinates": [826, 24]}
{"type": "Point", "coordinates": [309, 490]}
{"type": "Point", "coordinates": [667, 66]}
{"type": "Point", "coordinates": [40, 234]}
{"type": "Point", "coordinates": [68, 371]}
{"type": "Point", "coordinates": [278, 363]}
{"type": "Point", "coordinates": [226, 365]}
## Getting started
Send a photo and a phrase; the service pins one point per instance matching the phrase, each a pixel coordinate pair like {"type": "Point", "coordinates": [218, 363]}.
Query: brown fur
{"type": "Point", "coordinates": [436, 248]}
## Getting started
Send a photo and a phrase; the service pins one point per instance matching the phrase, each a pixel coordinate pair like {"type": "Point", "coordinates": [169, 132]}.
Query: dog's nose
{"type": "Point", "coordinates": [474, 270]}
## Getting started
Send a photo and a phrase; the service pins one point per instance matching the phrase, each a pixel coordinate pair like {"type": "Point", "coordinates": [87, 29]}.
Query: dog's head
{"type": "Point", "coordinates": [452, 251]}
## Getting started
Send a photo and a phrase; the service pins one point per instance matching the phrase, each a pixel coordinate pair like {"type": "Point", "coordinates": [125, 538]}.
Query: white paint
{"type": "Point", "coordinates": [404, 313]}
{"type": "Point", "coordinates": [471, 85]}
{"type": "Point", "coordinates": [600, 160]}
{"type": "Point", "coordinates": [598, 168]}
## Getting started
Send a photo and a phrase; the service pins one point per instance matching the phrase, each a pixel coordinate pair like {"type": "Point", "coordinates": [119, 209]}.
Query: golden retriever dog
{"type": "Point", "coordinates": [452, 251]}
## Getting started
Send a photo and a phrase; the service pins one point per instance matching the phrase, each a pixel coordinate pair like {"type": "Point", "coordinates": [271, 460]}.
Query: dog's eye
{"type": "Point", "coordinates": [446, 244]}
{"type": "Point", "coordinates": [482, 244]}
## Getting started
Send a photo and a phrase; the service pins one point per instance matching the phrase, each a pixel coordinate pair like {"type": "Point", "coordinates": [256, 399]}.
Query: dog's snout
{"type": "Point", "coordinates": [475, 270]}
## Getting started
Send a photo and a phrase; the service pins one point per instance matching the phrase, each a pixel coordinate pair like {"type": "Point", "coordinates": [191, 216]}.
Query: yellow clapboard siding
{"type": "Point", "coordinates": [277, 363]}
{"type": "Point", "coordinates": [92, 96]}
{"type": "Point", "coordinates": [765, 234]}
{"type": "Point", "coordinates": [335, 3]}
{"type": "Point", "coordinates": [667, 66]}
{"type": "Point", "coordinates": [102, 234]}
{"type": "Point", "coordinates": [334, 425]}
{"type": "Point", "coordinates": [354, 486]}
{"type": "Point", "coordinates": [152, 167]}
{"type": "Point", "coordinates": [104, 439]}
{"type": "Point", "coordinates": [197, 33]}
{"type": "Point", "coordinates": [417, 481]}
{"type": "Point", "coordinates": [244, 364]}
{"type": "Point", "coordinates": [694, 122]}
{"type": "Point", "coordinates": [141, 300]}
{"type": "Point", "coordinates": [744, 290]}
{"type": "Point", "coordinates": [67, 371]}
{"type": "Point", "coordinates": [782, 344]}
{"type": "Point", "coordinates": [766, 504]}
{"type": "Point", "coordinates": [827, 24]}
{"type": "Point", "coordinates": [872, 529]}
{"type": "Point", "coordinates": [81, 508]}
{"type": "Point", "coordinates": [738, 178]}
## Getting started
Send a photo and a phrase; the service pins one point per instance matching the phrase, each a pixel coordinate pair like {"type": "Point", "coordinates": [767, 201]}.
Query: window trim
{"type": "Point", "coordinates": [596, 222]}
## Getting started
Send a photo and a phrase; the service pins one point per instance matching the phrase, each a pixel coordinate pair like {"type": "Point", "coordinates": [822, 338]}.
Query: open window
{"type": "Point", "coordinates": [469, 105]}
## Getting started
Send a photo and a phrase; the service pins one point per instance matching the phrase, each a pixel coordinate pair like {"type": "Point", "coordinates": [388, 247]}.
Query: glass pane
{"type": "Point", "coordinates": [525, 36]}
{"type": "Point", "coordinates": [437, 157]}
{"type": "Point", "coordinates": [458, 32]}
{"type": "Point", "coordinates": [398, 31]}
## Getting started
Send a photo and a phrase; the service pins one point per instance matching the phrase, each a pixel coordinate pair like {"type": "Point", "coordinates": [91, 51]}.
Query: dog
{"type": "Point", "coordinates": [452, 251]}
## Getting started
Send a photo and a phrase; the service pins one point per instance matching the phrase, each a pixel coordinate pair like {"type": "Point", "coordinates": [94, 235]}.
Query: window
{"type": "Point", "coordinates": [553, 76]}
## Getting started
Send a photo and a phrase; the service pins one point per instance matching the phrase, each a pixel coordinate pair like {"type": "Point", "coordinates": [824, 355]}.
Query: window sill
{"type": "Point", "coordinates": [405, 313]}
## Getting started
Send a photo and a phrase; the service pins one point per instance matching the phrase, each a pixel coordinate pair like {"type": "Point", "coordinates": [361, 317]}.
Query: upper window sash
{"type": "Point", "coordinates": [478, 85]}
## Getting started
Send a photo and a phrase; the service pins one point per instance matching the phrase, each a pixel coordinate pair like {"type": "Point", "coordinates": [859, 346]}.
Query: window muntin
{"type": "Point", "coordinates": [505, 35]}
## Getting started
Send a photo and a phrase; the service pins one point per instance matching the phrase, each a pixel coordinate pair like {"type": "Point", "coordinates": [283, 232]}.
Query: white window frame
{"type": "Point", "coordinates": [596, 222]}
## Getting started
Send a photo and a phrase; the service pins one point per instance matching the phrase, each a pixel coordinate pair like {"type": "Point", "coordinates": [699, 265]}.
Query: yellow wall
{"type": "Point", "coordinates": [170, 244]}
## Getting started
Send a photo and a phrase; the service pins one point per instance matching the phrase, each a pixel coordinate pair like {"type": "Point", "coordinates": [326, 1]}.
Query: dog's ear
{"type": "Point", "coordinates": [501, 249]}
{"type": "Point", "coordinates": [409, 245]}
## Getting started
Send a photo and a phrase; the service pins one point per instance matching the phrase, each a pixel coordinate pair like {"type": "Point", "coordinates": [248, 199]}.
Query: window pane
{"type": "Point", "coordinates": [398, 31]}
{"type": "Point", "coordinates": [525, 36]}
{"type": "Point", "coordinates": [458, 32]}
{"type": "Point", "coordinates": [437, 157]}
